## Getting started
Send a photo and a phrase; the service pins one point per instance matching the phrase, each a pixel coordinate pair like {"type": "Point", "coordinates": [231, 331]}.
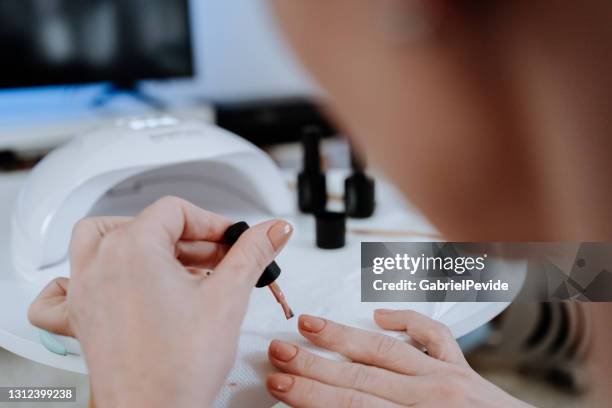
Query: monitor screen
{"type": "Point", "coordinates": [56, 42]}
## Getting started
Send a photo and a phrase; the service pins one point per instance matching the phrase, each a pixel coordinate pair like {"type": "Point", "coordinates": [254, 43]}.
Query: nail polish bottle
{"type": "Point", "coordinates": [359, 199]}
{"type": "Point", "coordinates": [312, 190]}
{"type": "Point", "coordinates": [330, 229]}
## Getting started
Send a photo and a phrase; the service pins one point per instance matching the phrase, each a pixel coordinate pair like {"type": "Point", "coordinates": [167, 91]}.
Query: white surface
{"type": "Point", "coordinates": [314, 281]}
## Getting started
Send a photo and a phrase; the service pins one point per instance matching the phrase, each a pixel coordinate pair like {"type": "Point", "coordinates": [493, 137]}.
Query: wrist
{"type": "Point", "coordinates": [130, 392]}
{"type": "Point", "coordinates": [150, 398]}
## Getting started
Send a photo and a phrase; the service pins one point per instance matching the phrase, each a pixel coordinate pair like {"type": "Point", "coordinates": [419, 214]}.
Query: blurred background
{"type": "Point", "coordinates": [71, 64]}
{"type": "Point", "coordinates": [68, 63]}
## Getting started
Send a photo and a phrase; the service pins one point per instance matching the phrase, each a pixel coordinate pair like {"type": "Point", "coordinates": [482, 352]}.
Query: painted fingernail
{"type": "Point", "coordinates": [280, 382]}
{"type": "Point", "coordinates": [311, 324]}
{"type": "Point", "coordinates": [282, 351]}
{"type": "Point", "coordinates": [279, 234]}
{"type": "Point", "coordinates": [384, 311]}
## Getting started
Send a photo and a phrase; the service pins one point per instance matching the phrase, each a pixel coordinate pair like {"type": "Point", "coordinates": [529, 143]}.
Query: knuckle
{"type": "Point", "coordinates": [454, 385]}
{"type": "Point", "coordinates": [307, 392]}
{"type": "Point", "coordinates": [83, 227]}
{"type": "Point", "coordinates": [256, 252]}
{"type": "Point", "coordinates": [335, 336]}
{"type": "Point", "coordinates": [409, 315]}
{"type": "Point", "coordinates": [358, 376]}
{"type": "Point", "coordinates": [385, 345]}
{"type": "Point", "coordinates": [169, 201]}
{"type": "Point", "coordinates": [448, 390]}
{"type": "Point", "coordinates": [440, 333]}
{"type": "Point", "coordinates": [412, 319]}
{"type": "Point", "coordinates": [261, 256]}
{"type": "Point", "coordinates": [441, 328]}
{"type": "Point", "coordinates": [118, 247]}
{"type": "Point", "coordinates": [309, 363]}
{"type": "Point", "coordinates": [245, 260]}
{"type": "Point", "coordinates": [459, 374]}
{"type": "Point", "coordinates": [111, 244]}
{"type": "Point", "coordinates": [352, 399]}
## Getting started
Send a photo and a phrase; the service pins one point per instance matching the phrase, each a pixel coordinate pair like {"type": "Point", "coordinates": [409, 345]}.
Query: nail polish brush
{"type": "Point", "coordinates": [269, 275]}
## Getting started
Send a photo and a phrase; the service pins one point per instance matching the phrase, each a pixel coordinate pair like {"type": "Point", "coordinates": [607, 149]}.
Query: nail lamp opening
{"type": "Point", "coordinates": [122, 168]}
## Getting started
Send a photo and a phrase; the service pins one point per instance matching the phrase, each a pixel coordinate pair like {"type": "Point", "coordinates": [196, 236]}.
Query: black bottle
{"type": "Point", "coordinates": [359, 199]}
{"type": "Point", "coordinates": [312, 189]}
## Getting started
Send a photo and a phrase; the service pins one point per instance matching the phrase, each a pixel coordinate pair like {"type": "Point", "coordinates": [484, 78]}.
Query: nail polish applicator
{"type": "Point", "coordinates": [312, 190]}
{"type": "Point", "coordinates": [358, 190]}
{"type": "Point", "coordinates": [269, 275]}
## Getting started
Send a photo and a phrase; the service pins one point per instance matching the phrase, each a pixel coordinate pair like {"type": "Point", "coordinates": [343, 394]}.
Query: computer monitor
{"type": "Point", "coordinates": [60, 42]}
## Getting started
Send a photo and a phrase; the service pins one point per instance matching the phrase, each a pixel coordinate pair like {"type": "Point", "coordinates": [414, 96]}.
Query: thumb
{"type": "Point", "coordinates": [253, 252]}
{"type": "Point", "coordinates": [49, 311]}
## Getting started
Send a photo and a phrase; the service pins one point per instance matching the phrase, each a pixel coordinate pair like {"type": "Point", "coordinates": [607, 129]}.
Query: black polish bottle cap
{"type": "Point", "coordinates": [359, 196]}
{"type": "Point", "coordinates": [312, 189]}
{"type": "Point", "coordinates": [272, 271]}
{"type": "Point", "coordinates": [330, 229]}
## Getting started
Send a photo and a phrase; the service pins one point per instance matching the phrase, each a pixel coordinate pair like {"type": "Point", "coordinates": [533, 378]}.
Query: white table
{"type": "Point", "coordinates": [308, 275]}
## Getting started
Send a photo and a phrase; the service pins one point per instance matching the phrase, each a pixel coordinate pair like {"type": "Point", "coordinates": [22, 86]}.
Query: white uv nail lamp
{"type": "Point", "coordinates": [119, 170]}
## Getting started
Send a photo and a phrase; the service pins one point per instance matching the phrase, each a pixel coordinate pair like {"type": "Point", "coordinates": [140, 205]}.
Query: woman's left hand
{"type": "Point", "coordinates": [384, 372]}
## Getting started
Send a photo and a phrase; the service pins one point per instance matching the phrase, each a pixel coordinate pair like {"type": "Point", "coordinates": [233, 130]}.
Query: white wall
{"type": "Point", "coordinates": [239, 52]}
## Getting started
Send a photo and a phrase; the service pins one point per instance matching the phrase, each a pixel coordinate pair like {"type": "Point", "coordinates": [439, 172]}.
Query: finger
{"type": "Point", "coordinates": [304, 392]}
{"type": "Point", "coordinates": [171, 219]}
{"type": "Point", "coordinates": [87, 234]}
{"type": "Point", "coordinates": [366, 347]}
{"type": "Point", "coordinates": [49, 310]}
{"type": "Point", "coordinates": [371, 380]}
{"type": "Point", "coordinates": [252, 253]}
{"type": "Point", "coordinates": [200, 254]}
{"type": "Point", "coordinates": [436, 337]}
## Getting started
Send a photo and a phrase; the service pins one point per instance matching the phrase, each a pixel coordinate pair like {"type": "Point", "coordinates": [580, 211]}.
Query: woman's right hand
{"type": "Point", "coordinates": [156, 331]}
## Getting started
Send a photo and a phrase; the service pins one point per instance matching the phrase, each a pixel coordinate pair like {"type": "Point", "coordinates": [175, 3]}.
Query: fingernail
{"type": "Point", "coordinates": [311, 324]}
{"type": "Point", "coordinates": [279, 234]}
{"type": "Point", "coordinates": [280, 382]}
{"type": "Point", "coordinates": [282, 351]}
{"type": "Point", "coordinates": [384, 311]}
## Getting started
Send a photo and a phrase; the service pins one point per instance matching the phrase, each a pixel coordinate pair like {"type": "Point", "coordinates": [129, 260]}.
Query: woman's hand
{"type": "Point", "coordinates": [384, 372]}
{"type": "Point", "coordinates": [155, 329]}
